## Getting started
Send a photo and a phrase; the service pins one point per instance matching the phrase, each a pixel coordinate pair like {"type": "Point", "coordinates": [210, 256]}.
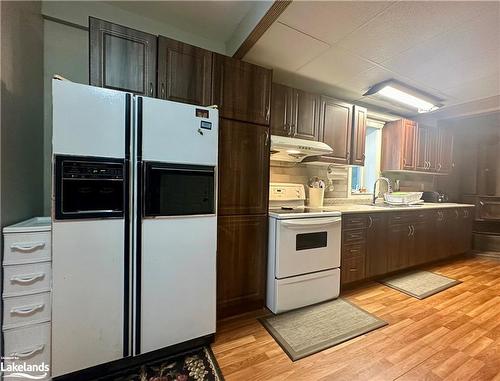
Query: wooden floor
{"type": "Point", "coordinates": [453, 335]}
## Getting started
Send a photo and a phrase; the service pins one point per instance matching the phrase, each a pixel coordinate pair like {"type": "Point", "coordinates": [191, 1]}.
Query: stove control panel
{"type": "Point", "coordinates": [286, 192]}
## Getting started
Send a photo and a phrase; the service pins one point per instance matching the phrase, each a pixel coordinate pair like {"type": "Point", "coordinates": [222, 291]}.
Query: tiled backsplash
{"type": "Point", "coordinates": [411, 181]}
{"type": "Point", "coordinates": [282, 172]}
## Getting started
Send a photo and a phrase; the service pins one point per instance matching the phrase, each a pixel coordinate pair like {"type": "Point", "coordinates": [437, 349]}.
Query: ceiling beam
{"type": "Point", "coordinates": [262, 26]}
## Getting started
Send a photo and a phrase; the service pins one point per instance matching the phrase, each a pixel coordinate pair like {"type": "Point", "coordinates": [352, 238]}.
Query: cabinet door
{"type": "Point", "coordinates": [376, 241]}
{"type": "Point", "coordinates": [241, 264]}
{"type": "Point", "coordinates": [409, 144]}
{"type": "Point", "coordinates": [398, 246]}
{"type": "Point", "coordinates": [305, 125]}
{"type": "Point", "coordinates": [184, 72]}
{"type": "Point", "coordinates": [281, 110]}
{"type": "Point", "coordinates": [243, 168]}
{"type": "Point", "coordinates": [335, 124]}
{"type": "Point", "coordinates": [439, 243]}
{"type": "Point", "coordinates": [465, 229]}
{"type": "Point", "coordinates": [432, 149]}
{"type": "Point", "coordinates": [358, 136]}
{"type": "Point", "coordinates": [122, 58]}
{"type": "Point", "coordinates": [419, 241]}
{"type": "Point", "coordinates": [242, 90]}
{"type": "Point", "coordinates": [444, 150]}
{"type": "Point", "coordinates": [421, 149]}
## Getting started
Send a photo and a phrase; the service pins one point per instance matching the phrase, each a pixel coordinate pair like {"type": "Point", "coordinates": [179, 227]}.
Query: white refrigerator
{"type": "Point", "coordinates": [134, 225]}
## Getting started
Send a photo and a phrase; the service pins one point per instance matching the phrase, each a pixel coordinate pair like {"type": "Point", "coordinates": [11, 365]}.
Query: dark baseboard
{"type": "Point", "coordinates": [104, 371]}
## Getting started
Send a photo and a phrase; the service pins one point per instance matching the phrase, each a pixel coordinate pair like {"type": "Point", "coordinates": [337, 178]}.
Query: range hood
{"type": "Point", "coordinates": [295, 150]}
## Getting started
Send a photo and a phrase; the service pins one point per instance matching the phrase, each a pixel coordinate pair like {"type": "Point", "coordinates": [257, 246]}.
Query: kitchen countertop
{"type": "Point", "coordinates": [360, 208]}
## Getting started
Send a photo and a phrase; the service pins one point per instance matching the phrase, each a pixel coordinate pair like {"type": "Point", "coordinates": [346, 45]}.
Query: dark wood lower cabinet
{"type": "Point", "coordinates": [241, 264]}
{"type": "Point", "coordinates": [398, 246]}
{"type": "Point", "coordinates": [387, 242]}
{"type": "Point", "coordinates": [376, 237]}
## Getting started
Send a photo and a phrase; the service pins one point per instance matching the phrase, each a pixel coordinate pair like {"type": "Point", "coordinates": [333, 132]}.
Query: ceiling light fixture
{"type": "Point", "coordinates": [406, 95]}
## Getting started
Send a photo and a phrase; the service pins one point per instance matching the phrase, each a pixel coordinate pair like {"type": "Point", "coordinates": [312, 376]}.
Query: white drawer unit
{"type": "Point", "coordinates": [24, 310]}
{"type": "Point", "coordinates": [26, 279]}
{"type": "Point", "coordinates": [26, 294]}
{"type": "Point", "coordinates": [26, 248]}
{"type": "Point", "coordinates": [29, 344]}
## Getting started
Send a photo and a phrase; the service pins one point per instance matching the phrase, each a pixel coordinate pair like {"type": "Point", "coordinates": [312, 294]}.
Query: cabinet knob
{"type": "Point", "coordinates": [151, 88]}
{"type": "Point", "coordinates": [163, 90]}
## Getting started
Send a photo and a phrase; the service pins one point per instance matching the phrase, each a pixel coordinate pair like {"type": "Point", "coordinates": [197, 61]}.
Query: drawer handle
{"type": "Point", "coordinates": [353, 270]}
{"type": "Point", "coordinates": [27, 278]}
{"type": "Point", "coordinates": [354, 250]}
{"type": "Point", "coordinates": [28, 352]}
{"type": "Point", "coordinates": [26, 310]}
{"type": "Point", "coordinates": [28, 246]}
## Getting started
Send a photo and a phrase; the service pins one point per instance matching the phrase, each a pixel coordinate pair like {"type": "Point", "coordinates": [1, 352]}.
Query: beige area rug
{"type": "Point", "coordinates": [420, 284]}
{"type": "Point", "coordinates": [311, 329]}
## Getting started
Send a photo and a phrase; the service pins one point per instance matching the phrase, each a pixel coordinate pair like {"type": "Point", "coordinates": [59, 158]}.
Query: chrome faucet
{"type": "Point", "coordinates": [389, 188]}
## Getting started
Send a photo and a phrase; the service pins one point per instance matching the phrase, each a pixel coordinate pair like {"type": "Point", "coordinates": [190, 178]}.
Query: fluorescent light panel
{"type": "Point", "coordinates": [395, 91]}
{"type": "Point", "coordinates": [408, 99]}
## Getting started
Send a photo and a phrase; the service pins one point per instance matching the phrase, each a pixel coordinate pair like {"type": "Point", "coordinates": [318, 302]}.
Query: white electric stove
{"type": "Point", "coordinates": [304, 250]}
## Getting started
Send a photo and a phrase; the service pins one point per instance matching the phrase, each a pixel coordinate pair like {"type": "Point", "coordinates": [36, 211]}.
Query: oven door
{"type": "Point", "coordinates": [307, 245]}
{"type": "Point", "coordinates": [178, 190]}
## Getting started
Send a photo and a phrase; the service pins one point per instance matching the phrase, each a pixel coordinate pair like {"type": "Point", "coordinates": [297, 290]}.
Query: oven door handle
{"type": "Point", "coordinates": [310, 223]}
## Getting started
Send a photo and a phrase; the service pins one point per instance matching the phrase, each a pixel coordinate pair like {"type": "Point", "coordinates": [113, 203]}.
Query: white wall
{"type": "Point", "coordinates": [78, 12]}
{"type": "Point", "coordinates": [66, 52]}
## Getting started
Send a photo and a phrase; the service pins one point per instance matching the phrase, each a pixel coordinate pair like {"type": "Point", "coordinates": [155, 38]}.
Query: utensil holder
{"type": "Point", "coordinates": [316, 196]}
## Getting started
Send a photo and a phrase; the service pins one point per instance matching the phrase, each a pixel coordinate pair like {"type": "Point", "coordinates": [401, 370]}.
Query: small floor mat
{"type": "Point", "coordinates": [196, 365]}
{"type": "Point", "coordinates": [311, 329]}
{"type": "Point", "coordinates": [420, 284]}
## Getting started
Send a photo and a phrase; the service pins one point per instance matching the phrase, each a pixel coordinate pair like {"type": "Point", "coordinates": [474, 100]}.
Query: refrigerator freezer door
{"type": "Point", "coordinates": [179, 133]}
{"type": "Point", "coordinates": [88, 294]}
{"type": "Point", "coordinates": [88, 120]}
{"type": "Point", "coordinates": [178, 280]}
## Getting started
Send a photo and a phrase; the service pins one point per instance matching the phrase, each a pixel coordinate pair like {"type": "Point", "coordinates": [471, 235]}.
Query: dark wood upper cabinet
{"type": "Point", "coordinates": [305, 125]}
{"type": "Point", "coordinates": [399, 145]}
{"type": "Point", "coordinates": [122, 58]}
{"type": "Point", "coordinates": [282, 110]}
{"type": "Point", "coordinates": [444, 150]}
{"type": "Point", "coordinates": [335, 121]}
{"type": "Point", "coordinates": [242, 90]}
{"type": "Point", "coordinates": [294, 113]}
{"type": "Point", "coordinates": [427, 149]}
{"type": "Point", "coordinates": [241, 264]}
{"type": "Point", "coordinates": [358, 135]}
{"type": "Point", "coordinates": [421, 150]}
{"type": "Point", "coordinates": [184, 72]}
{"type": "Point", "coordinates": [243, 168]}
{"type": "Point", "coordinates": [410, 135]}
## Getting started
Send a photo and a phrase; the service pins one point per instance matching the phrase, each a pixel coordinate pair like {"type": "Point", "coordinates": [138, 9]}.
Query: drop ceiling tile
{"type": "Point", "coordinates": [329, 21]}
{"type": "Point", "coordinates": [484, 87]}
{"type": "Point", "coordinates": [453, 56]}
{"type": "Point", "coordinates": [335, 65]}
{"type": "Point", "coordinates": [406, 24]}
{"type": "Point", "coordinates": [285, 48]}
{"type": "Point", "coordinates": [296, 80]}
{"type": "Point", "coordinates": [363, 81]}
